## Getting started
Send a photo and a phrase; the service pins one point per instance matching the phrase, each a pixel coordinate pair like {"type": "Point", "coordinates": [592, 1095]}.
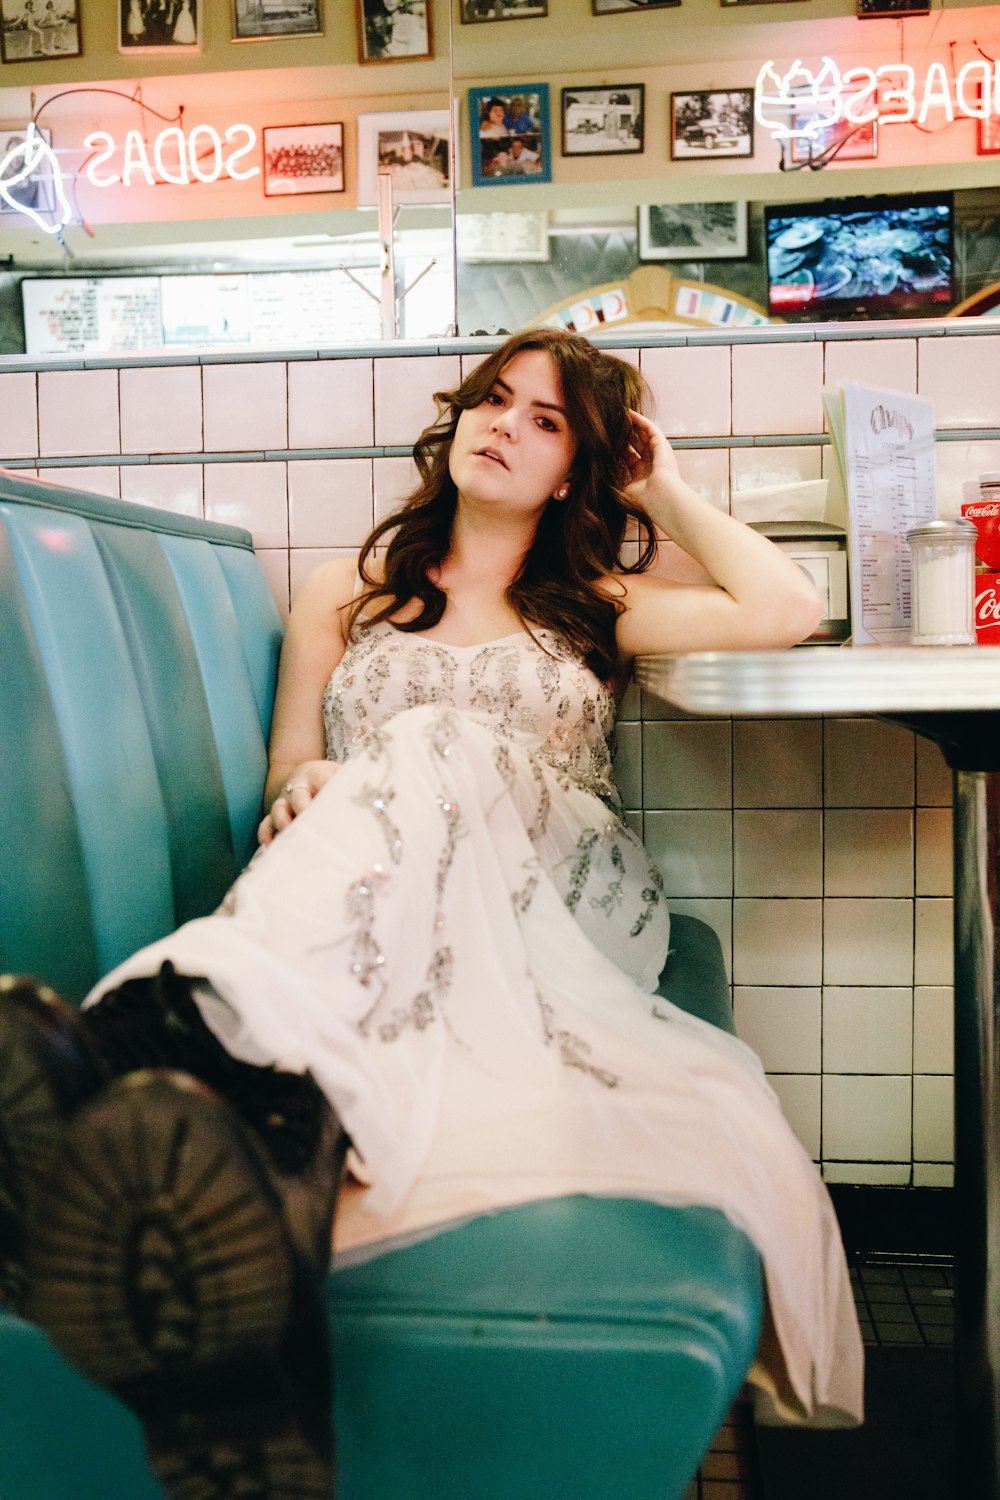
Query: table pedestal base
{"type": "Point", "coordinates": [977, 1132]}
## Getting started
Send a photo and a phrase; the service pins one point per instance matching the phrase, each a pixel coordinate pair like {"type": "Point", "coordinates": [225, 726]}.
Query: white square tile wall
{"type": "Point", "coordinates": [18, 415]}
{"type": "Point", "coordinates": [819, 850]}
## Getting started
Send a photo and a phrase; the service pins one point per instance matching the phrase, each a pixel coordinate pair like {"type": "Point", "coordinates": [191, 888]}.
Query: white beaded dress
{"type": "Point", "coordinates": [461, 939]}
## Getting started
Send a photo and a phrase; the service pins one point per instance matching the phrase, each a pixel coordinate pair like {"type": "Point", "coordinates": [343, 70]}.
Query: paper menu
{"type": "Point", "coordinates": [884, 445]}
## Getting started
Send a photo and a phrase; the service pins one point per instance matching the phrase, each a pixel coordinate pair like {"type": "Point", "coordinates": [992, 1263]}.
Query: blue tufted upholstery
{"type": "Point", "coordinates": [576, 1349]}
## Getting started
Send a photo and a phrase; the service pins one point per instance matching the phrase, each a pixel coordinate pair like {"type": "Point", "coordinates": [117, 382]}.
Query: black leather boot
{"type": "Point", "coordinates": [48, 1068]}
{"type": "Point", "coordinates": [162, 1267]}
{"type": "Point", "coordinates": [156, 1022]}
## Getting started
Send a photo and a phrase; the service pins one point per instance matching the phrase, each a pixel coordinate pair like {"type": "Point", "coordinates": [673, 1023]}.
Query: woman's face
{"type": "Point", "coordinates": [516, 449]}
{"type": "Point", "coordinates": [496, 114]}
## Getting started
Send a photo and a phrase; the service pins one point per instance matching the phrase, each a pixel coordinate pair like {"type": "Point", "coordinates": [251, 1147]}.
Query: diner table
{"type": "Point", "coordinates": [952, 696]}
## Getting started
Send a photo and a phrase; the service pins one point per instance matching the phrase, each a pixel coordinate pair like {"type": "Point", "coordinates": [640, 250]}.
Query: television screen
{"type": "Point", "coordinates": [860, 257]}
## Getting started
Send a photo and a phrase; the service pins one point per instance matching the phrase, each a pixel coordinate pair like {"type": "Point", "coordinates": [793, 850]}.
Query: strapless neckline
{"type": "Point", "coordinates": [499, 640]}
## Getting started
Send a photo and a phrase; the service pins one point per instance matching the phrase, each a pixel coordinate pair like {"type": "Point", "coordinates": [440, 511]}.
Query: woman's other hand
{"type": "Point", "coordinates": [295, 796]}
{"type": "Point", "coordinates": [651, 464]}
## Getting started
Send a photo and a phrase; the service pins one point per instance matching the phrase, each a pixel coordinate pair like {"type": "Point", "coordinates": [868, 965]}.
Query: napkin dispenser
{"type": "Point", "coordinates": [820, 549]}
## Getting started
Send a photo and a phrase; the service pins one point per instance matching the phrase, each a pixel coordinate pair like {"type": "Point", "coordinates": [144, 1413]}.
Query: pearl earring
{"type": "Point", "coordinates": [562, 492]}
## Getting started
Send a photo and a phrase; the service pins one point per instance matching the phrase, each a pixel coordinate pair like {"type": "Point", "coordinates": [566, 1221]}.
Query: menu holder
{"type": "Point", "coordinates": [883, 484]}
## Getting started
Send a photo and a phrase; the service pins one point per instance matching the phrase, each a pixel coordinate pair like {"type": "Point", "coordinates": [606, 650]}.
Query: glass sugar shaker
{"type": "Point", "coordinates": [942, 585]}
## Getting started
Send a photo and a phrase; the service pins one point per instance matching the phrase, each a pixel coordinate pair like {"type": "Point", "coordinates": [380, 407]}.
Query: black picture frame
{"type": "Point", "coordinates": [253, 21]}
{"type": "Point", "coordinates": [163, 26]}
{"type": "Point", "coordinates": [480, 12]}
{"type": "Point", "coordinates": [606, 121]}
{"type": "Point", "coordinates": [39, 30]}
{"type": "Point", "coordinates": [627, 7]}
{"type": "Point", "coordinates": [303, 159]}
{"type": "Point", "coordinates": [394, 30]}
{"type": "Point", "coordinates": [709, 124]}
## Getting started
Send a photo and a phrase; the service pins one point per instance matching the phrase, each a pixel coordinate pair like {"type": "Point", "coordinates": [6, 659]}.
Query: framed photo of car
{"type": "Point", "coordinates": [711, 123]}
{"type": "Point", "coordinates": [604, 121]}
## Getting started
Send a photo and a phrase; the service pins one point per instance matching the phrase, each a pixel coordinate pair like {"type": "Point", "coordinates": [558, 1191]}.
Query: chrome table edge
{"type": "Point", "coordinates": [827, 680]}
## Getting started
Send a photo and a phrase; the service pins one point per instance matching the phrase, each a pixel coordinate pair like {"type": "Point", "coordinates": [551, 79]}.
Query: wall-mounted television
{"type": "Point", "coordinates": [885, 257]}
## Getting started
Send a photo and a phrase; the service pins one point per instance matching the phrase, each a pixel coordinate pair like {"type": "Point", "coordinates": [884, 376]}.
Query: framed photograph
{"type": "Point", "coordinates": [159, 25]}
{"type": "Point", "coordinates": [33, 29]}
{"type": "Point", "coordinates": [509, 130]}
{"type": "Point", "coordinates": [625, 7]}
{"type": "Point", "coordinates": [259, 20]}
{"type": "Point", "coordinates": [711, 123]}
{"type": "Point", "coordinates": [603, 122]}
{"type": "Point", "coordinates": [503, 237]}
{"type": "Point", "coordinates": [394, 30]}
{"type": "Point", "coordinates": [472, 12]}
{"type": "Point", "coordinates": [988, 135]}
{"type": "Point", "coordinates": [303, 159]}
{"type": "Point", "coordinates": [853, 142]}
{"type": "Point", "coordinates": [692, 231]}
{"type": "Point", "coordinates": [34, 191]}
{"type": "Point", "coordinates": [414, 147]}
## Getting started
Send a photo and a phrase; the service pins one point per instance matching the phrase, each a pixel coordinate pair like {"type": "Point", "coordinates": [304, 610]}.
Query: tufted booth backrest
{"type": "Point", "coordinates": [138, 656]}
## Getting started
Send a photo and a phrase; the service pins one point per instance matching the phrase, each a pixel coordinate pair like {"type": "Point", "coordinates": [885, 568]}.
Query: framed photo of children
{"type": "Point", "coordinates": [303, 159]}
{"type": "Point", "coordinates": [602, 122]}
{"type": "Point", "coordinates": [33, 29]}
{"type": "Point", "coordinates": [394, 30]}
{"type": "Point", "coordinates": [711, 123]}
{"type": "Point", "coordinates": [509, 130]}
{"type": "Point", "coordinates": [159, 25]}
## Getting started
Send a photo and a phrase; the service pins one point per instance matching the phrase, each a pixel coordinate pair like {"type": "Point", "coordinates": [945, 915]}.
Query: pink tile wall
{"type": "Point", "coordinates": [161, 410]}
{"type": "Point", "coordinates": [78, 413]}
{"type": "Point", "coordinates": [404, 390]}
{"type": "Point", "coordinates": [331, 403]}
{"type": "Point", "coordinates": [776, 388]}
{"type": "Point", "coordinates": [246, 407]}
{"type": "Point", "coordinates": [962, 377]}
{"type": "Point", "coordinates": [18, 416]}
{"type": "Point", "coordinates": [691, 389]}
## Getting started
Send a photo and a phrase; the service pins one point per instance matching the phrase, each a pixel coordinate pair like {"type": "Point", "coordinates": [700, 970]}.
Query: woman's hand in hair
{"type": "Point", "coordinates": [294, 795]}
{"type": "Point", "coordinates": [651, 465]}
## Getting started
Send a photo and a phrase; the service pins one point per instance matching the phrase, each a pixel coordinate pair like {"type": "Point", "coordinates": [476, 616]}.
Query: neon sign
{"type": "Point", "coordinates": [175, 156]}
{"type": "Point", "coordinates": [24, 166]}
{"type": "Point", "coordinates": [891, 94]}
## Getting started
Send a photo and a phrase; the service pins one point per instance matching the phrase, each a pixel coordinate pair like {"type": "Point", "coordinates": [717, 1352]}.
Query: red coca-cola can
{"type": "Point", "coordinates": [984, 514]}
{"type": "Point", "coordinates": [987, 609]}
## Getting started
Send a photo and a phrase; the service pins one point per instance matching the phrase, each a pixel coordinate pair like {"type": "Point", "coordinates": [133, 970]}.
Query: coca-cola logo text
{"type": "Point", "coordinates": [988, 607]}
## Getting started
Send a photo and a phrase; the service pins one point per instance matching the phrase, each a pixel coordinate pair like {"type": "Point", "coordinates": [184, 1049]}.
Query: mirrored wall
{"type": "Point", "coordinates": [592, 162]}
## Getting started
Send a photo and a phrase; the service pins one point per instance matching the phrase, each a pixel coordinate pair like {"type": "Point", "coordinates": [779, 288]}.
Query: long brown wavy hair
{"type": "Point", "coordinates": [578, 540]}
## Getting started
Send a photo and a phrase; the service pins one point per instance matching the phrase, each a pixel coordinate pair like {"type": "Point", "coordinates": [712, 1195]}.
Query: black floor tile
{"type": "Point", "coordinates": [904, 1451]}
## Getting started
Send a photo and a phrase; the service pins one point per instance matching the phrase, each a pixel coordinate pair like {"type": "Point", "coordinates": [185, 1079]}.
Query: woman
{"type": "Point", "coordinates": [448, 925]}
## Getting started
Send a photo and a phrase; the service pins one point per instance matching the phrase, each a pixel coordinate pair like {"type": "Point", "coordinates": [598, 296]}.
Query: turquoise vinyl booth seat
{"type": "Point", "coordinates": [574, 1349]}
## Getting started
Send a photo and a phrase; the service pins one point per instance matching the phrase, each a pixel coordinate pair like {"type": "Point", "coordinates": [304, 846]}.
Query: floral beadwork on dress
{"type": "Point", "coordinates": [530, 688]}
{"type": "Point", "coordinates": [551, 722]}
